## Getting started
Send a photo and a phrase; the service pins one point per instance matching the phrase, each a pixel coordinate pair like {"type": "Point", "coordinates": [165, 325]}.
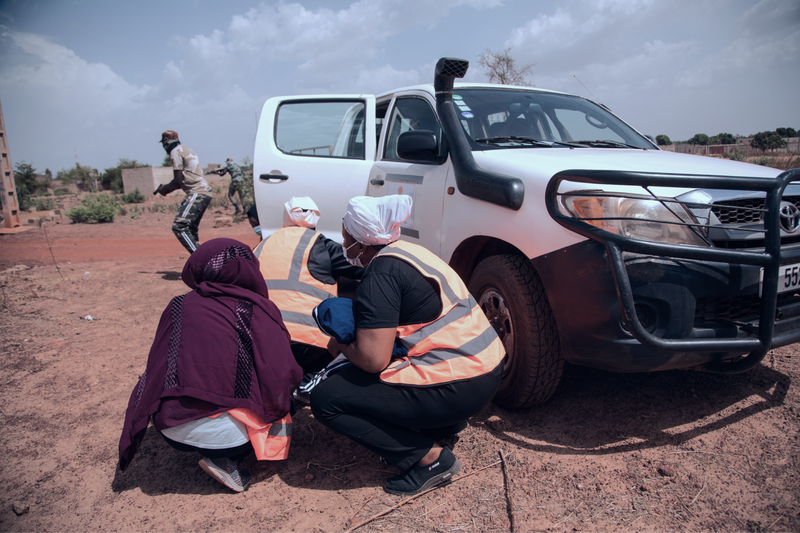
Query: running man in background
{"type": "Point", "coordinates": [237, 183]}
{"type": "Point", "coordinates": [188, 176]}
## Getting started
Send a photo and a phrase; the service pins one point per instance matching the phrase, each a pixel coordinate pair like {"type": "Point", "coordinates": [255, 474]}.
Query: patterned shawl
{"type": "Point", "coordinates": [219, 347]}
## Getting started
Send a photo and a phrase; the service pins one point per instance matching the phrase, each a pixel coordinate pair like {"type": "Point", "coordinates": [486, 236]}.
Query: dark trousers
{"type": "Point", "coordinates": [383, 418]}
{"type": "Point", "coordinates": [235, 188]}
{"type": "Point", "coordinates": [236, 453]}
{"type": "Point", "coordinates": [187, 220]}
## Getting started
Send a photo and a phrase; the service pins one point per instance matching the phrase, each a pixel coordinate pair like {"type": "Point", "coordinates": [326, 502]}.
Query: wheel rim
{"type": "Point", "coordinates": [494, 307]}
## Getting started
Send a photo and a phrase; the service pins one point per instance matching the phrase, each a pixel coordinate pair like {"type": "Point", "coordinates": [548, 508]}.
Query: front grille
{"type": "Point", "coordinates": [739, 308]}
{"type": "Point", "coordinates": [744, 211]}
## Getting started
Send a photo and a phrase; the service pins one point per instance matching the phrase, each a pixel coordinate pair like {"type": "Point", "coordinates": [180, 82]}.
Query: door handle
{"type": "Point", "coordinates": [376, 181]}
{"type": "Point", "coordinates": [267, 177]}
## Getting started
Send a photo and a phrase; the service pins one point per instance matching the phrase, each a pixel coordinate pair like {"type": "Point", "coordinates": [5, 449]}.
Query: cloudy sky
{"type": "Point", "coordinates": [99, 80]}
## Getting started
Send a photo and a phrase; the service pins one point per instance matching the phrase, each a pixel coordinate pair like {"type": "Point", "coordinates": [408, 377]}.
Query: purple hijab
{"type": "Point", "coordinates": [219, 347]}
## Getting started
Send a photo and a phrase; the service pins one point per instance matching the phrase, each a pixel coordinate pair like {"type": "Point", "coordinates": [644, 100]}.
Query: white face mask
{"type": "Point", "coordinates": [355, 262]}
{"type": "Point", "coordinates": [257, 230]}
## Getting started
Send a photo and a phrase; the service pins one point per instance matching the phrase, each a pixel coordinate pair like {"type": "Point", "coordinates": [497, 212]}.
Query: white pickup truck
{"type": "Point", "coordinates": [580, 238]}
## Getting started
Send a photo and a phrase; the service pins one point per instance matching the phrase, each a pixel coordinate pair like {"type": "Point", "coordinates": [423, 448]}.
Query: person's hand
{"type": "Point", "coordinates": [157, 190]}
{"type": "Point", "coordinates": [334, 348]}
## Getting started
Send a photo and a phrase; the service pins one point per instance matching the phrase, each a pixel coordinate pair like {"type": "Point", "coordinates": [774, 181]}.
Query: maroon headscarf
{"type": "Point", "coordinates": [219, 347]}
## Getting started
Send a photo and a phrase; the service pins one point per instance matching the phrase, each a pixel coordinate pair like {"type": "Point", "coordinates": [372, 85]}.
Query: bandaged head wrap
{"type": "Point", "coordinates": [376, 221]}
{"type": "Point", "coordinates": [300, 211]}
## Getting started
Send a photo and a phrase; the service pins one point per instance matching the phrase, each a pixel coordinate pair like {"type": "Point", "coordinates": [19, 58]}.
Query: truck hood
{"type": "Point", "coordinates": [535, 166]}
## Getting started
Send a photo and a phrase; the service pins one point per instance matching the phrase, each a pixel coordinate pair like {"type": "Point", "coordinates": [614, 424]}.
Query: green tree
{"type": "Point", "coordinates": [111, 179]}
{"type": "Point", "coordinates": [787, 132]}
{"type": "Point", "coordinates": [167, 162]}
{"type": "Point", "coordinates": [500, 67]}
{"type": "Point", "coordinates": [701, 139]}
{"type": "Point", "coordinates": [663, 140]}
{"type": "Point", "coordinates": [767, 140]}
{"type": "Point", "coordinates": [723, 138]}
{"type": "Point", "coordinates": [82, 176]}
{"type": "Point", "coordinates": [26, 184]}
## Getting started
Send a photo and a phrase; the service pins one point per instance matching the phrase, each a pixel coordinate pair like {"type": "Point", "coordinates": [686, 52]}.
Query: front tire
{"type": "Point", "coordinates": [509, 291]}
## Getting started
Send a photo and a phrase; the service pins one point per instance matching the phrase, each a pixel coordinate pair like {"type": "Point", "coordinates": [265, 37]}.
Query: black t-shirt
{"type": "Point", "coordinates": [393, 293]}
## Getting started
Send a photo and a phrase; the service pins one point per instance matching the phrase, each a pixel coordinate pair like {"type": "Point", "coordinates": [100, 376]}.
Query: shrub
{"type": "Point", "coordinates": [94, 208]}
{"type": "Point", "coordinates": [764, 161]}
{"type": "Point", "coordinates": [134, 197]}
{"type": "Point", "coordinates": [44, 205]}
{"type": "Point", "coordinates": [60, 192]}
{"type": "Point", "coordinates": [736, 155]}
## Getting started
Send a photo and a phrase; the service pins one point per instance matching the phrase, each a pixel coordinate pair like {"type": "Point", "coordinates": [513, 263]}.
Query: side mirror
{"type": "Point", "coordinates": [418, 145]}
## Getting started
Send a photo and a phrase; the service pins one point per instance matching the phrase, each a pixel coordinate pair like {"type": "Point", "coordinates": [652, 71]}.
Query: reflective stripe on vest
{"type": "Point", "coordinates": [284, 264]}
{"type": "Point", "coordinates": [278, 439]}
{"type": "Point", "coordinates": [270, 441]}
{"type": "Point", "coordinates": [459, 344]}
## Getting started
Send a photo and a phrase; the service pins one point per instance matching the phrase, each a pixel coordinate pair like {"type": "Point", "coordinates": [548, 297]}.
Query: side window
{"type": "Point", "coordinates": [410, 114]}
{"type": "Point", "coordinates": [321, 129]}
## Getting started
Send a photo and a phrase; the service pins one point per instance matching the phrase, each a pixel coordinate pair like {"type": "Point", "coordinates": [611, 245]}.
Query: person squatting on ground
{"type": "Point", "coordinates": [220, 373]}
{"type": "Point", "coordinates": [402, 408]}
{"type": "Point", "coordinates": [187, 175]}
{"type": "Point", "coordinates": [301, 268]}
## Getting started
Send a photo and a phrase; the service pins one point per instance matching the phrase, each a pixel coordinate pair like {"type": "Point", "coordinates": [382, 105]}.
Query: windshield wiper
{"type": "Point", "coordinates": [527, 140]}
{"type": "Point", "coordinates": [613, 144]}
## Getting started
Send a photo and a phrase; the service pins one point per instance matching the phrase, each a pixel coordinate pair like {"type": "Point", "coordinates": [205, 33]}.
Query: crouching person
{"type": "Point", "coordinates": [220, 373]}
{"type": "Point", "coordinates": [405, 404]}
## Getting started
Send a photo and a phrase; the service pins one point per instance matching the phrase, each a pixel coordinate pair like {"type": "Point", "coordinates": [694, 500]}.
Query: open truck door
{"type": "Point", "coordinates": [322, 147]}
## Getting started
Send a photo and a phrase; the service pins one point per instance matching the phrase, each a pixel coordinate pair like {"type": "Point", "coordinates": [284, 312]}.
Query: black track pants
{"type": "Point", "coordinates": [383, 418]}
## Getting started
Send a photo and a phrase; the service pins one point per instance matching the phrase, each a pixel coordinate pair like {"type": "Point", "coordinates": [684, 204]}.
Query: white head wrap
{"type": "Point", "coordinates": [376, 221]}
{"type": "Point", "coordinates": [300, 211]}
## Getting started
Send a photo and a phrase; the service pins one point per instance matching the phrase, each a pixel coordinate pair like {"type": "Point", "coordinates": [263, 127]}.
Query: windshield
{"type": "Point", "coordinates": [516, 118]}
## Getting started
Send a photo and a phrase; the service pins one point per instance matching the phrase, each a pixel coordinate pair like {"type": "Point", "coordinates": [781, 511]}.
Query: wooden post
{"type": "Point", "coordinates": [11, 217]}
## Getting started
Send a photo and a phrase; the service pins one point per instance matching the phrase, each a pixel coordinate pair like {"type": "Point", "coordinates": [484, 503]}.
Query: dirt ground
{"type": "Point", "coordinates": [670, 451]}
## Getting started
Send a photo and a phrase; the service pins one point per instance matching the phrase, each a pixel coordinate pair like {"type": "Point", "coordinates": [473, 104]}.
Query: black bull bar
{"type": "Point", "coordinates": [770, 259]}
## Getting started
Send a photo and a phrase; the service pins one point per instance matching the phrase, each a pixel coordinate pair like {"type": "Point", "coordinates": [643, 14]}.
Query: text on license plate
{"type": "Point", "coordinates": [788, 279]}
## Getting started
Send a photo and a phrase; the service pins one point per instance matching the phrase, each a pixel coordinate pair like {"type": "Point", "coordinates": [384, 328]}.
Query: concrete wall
{"type": "Point", "coordinates": [146, 179]}
{"type": "Point", "coordinates": [743, 143]}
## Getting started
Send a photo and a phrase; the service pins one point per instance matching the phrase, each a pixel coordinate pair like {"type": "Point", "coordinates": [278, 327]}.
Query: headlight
{"type": "Point", "coordinates": [641, 218]}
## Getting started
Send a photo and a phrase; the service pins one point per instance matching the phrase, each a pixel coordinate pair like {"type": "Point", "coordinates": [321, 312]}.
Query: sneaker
{"type": "Point", "coordinates": [421, 478]}
{"type": "Point", "coordinates": [302, 397]}
{"type": "Point", "coordinates": [227, 472]}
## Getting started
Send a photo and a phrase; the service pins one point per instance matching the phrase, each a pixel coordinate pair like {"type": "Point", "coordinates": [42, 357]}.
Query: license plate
{"type": "Point", "coordinates": [788, 279]}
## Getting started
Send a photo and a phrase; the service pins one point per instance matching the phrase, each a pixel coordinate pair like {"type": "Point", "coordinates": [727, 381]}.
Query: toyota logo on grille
{"type": "Point", "coordinates": [790, 217]}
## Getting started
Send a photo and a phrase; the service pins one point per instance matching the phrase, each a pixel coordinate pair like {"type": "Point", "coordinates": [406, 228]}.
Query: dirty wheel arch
{"type": "Point", "coordinates": [509, 291]}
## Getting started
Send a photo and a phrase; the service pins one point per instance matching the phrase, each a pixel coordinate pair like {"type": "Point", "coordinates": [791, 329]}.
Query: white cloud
{"type": "Point", "coordinates": [660, 64]}
{"type": "Point", "coordinates": [328, 49]}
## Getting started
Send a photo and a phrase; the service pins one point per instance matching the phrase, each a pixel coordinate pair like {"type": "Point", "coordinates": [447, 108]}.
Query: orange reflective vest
{"type": "Point", "coordinates": [459, 344]}
{"type": "Point", "coordinates": [284, 265]}
{"type": "Point", "coordinates": [270, 441]}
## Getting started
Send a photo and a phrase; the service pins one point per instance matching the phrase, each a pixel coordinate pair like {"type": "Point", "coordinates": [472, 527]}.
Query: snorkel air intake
{"type": "Point", "coordinates": [471, 180]}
